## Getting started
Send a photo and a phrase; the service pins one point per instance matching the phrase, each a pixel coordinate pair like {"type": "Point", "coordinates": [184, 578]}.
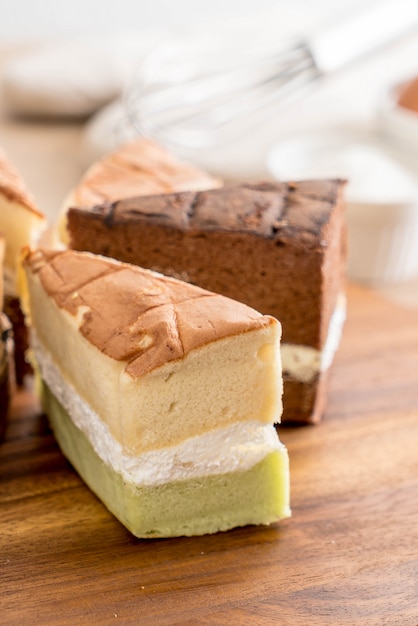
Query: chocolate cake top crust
{"type": "Point", "coordinates": [273, 210]}
{"type": "Point", "coordinates": [278, 247]}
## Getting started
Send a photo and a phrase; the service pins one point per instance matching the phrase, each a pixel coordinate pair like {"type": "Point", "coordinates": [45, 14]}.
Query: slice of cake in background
{"type": "Point", "coordinates": [140, 167]}
{"type": "Point", "coordinates": [6, 354]}
{"type": "Point", "coordinates": [22, 224]}
{"type": "Point", "coordinates": [278, 247]}
{"type": "Point", "coordinates": [162, 395]}
{"type": "Point", "coordinates": [6, 370]}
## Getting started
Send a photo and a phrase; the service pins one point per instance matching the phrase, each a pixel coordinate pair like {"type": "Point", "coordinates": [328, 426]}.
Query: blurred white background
{"type": "Point", "coordinates": [26, 19]}
{"type": "Point", "coordinates": [349, 97]}
{"type": "Point", "coordinates": [52, 153]}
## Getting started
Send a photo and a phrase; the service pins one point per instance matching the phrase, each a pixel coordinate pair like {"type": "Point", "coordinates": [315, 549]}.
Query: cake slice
{"type": "Point", "coordinates": [278, 247]}
{"type": "Point", "coordinates": [22, 224]}
{"type": "Point", "coordinates": [161, 394]}
{"type": "Point", "coordinates": [140, 167]}
{"type": "Point", "coordinates": [6, 370]}
{"type": "Point", "coordinates": [6, 354]}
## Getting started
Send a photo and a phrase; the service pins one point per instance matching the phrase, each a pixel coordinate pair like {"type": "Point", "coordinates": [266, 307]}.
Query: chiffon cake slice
{"type": "Point", "coordinates": [22, 224]}
{"type": "Point", "coordinates": [140, 167]}
{"type": "Point", "coordinates": [161, 394]}
{"type": "Point", "coordinates": [278, 247]}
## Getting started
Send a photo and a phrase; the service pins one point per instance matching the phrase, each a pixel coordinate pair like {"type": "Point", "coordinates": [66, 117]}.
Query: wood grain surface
{"type": "Point", "coordinates": [348, 555]}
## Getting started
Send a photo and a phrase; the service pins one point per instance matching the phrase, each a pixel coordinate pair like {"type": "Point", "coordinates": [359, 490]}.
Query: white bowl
{"type": "Point", "coordinates": [382, 198]}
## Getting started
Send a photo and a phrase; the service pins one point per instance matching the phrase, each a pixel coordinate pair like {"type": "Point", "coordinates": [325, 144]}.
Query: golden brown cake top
{"type": "Point", "coordinates": [13, 187]}
{"type": "Point", "coordinates": [135, 315]}
{"type": "Point", "coordinates": [140, 167]}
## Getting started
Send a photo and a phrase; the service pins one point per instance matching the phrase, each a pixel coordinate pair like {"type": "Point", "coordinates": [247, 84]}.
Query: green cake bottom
{"type": "Point", "coordinates": [197, 506]}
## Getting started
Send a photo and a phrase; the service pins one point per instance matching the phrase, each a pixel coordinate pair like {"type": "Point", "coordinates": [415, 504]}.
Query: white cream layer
{"type": "Point", "coordinates": [237, 447]}
{"type": "Point", "coordinates": [303, 362]}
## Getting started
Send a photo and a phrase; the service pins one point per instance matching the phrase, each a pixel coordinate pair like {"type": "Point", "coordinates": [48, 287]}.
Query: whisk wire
{"type": "Point", "coordinates": [190, 93]}
{"type": "Point", "coordinates": [213, 99]}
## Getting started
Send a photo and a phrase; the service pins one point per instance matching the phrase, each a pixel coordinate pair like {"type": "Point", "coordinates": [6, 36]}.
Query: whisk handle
{"type": "Point", "coordinates": [361, 33]}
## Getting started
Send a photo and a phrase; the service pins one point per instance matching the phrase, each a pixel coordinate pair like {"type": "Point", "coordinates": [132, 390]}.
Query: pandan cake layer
{"type": "Point", "coordinates": [196, 506]}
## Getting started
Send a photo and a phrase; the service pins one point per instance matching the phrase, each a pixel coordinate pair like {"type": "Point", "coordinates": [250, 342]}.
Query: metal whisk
{"type": "Point", "coordinates": [196, 93]}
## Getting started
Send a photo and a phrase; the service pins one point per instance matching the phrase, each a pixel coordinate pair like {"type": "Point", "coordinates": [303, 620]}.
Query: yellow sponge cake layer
{"type": "Point", "coordinates": [162, 349]}
{"type": "Point", "coordinates": [170, 385]}
{"type": "Point", "coordinates": [21, 222]}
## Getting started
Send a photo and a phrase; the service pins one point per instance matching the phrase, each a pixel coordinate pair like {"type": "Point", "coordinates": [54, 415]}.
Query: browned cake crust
{"type": "Point", "coordinates": [278, 247]}
{"type": "Point", "coordinates": [160, 319]}
{"type": "Point", "coordinates": [13, 187]}
{"type": "Point", "coordinates": [136, 168]}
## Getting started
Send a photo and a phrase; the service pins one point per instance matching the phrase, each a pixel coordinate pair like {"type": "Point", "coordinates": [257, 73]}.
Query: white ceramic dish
{"type": "Point", "coordinates": [382, 198]}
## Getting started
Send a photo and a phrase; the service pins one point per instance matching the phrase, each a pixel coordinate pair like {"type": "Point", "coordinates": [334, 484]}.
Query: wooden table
{"type": "Point", "coordinates": [349, 554]}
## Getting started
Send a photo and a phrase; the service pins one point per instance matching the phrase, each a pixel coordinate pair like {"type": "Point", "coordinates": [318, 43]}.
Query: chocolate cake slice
{"type": "Point", "coordinates": [278, 247]}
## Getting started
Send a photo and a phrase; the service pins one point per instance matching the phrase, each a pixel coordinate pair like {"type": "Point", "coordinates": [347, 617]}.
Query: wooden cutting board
{"type": "Point", "coordinates": [348, 555]}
